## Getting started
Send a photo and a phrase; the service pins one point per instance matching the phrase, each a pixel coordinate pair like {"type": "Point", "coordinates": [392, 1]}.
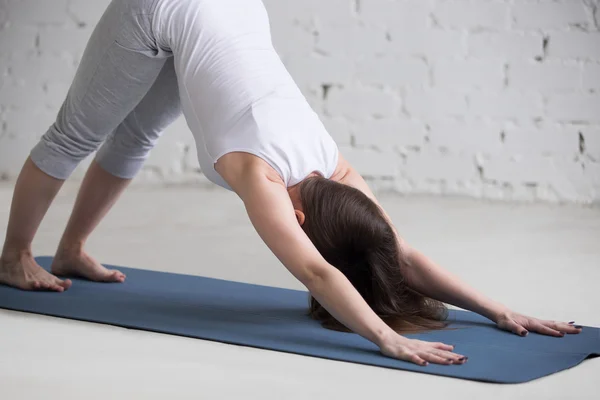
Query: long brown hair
{"type": "Point", "coordinates": [352, 234]}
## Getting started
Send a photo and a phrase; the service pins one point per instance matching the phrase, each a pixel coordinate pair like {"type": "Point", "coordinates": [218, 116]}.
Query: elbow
{"type": "Point", "coordinates": [315, 278]}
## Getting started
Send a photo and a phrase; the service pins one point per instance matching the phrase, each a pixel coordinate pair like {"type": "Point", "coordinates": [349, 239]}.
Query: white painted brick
{"type": "Point", "coordinates": [86, 11]}
{"type": "Point", "coordinates": [394, 71]}
{"type": "Point", "coordinates": [428, 43]}
{"type": "Point", "coordinates": [340, 130]}
{"type": "Point", "coordinates": [592, 175]}
{"type": "Point", "coordinates": [470, 188]}
{"type": "Point", "coordinates": [13, 152]}
{"type": "Point", "coordinates": [549, 14]}
{"type": "Point", "coordinates": [292, 40]}
{"type": "Point", "coordinates": [544, 76]}
{"type": "Point", "coordinates": [15, 39]}
{"type": "Point", "coordinates": [179, 131]}
{"type": "Point", "coordinates": [505, 45]}
{"type": "Point", "coordinates": [471, 14]}
{"type": "Point", "coordinates": [14, 95]}
{"type": "Point", "coordinates": [288, 11]}
{"type": "Point", "coordinates": [506, 104]}
{"type": "Point", "coordinates": [23, 130]}
{"type": "Point", "coordinates": [591, 135]}
{"type": "Point", "coordinates": [574, 107]}
{"type": "Point", "coordinates": [3, 15]}
{"type": "Point", "coordinates": [316, 69]}
{"type": "Point", "coordinates": [28, 122]}
{"type": "Point", "coordinates": [167, 157]}
{"type": "Point", "coordinates": [411, 14]}
{"type": "Point", "coordinates": [33, 70]}
{"type": "Point", "coordinates": [64, 40]}
{"type": "Point", "coordinates": [332, 12]}
{"type": "Point", "coordinates": [356, 102]}
{"type": "Point", "coordinates": [190, 161]}
{"type": "Point", "coordinates": [546, 140]}
{"type": "Point", "coordinates": [572, 180]}
{"type": "Point", "coordinates": [468, 137]}
{"type": "Point", "coordinates": [443, 59]}
{"type": "Point", "coordinates": [430, 164]}
{"type": "Point", "coordinates": [591, 76]}
{"type": "Point", "coordinates": [387, 133]}
{"type": "Point", "coordinates": [468, 74]}
{"type": "Point", "coordinates": [354, 41]}
{"type": "Point", "coordinates": [581, 45]}
{"type": "Point", "coordinates": [31, 12]}
{"type": "Point", "coordinates": [371, 163]}
{"type": "Point", "coordinates": [339, 13]}
{"type": "Point", "coordinates": [519, 169]}
{"type": "Point", "coordinates": [435, 103]}
{"type": "Point", "coordinates": [55, 94]}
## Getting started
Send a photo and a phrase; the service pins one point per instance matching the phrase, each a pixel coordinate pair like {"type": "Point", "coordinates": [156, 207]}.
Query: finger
{"type": "Point", "coordinates": [568, 328]}
{"type": "Point", "coordinates": [457, 358]}
{"type": "Point", "coordinates": [515, 328]}
{"type": "Point", "coordinates": [443, 346]}
{"type": "Point", "coordinates": [414, 358]}
{"type": "Point", "coordinates": [433, 358]}
{"type": "Point", "coordinates": [545, 330]}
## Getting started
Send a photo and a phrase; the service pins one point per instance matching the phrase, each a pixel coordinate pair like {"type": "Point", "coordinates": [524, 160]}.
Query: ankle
{"type": "Point", "coordinates": [12, 254]}
{"type": "Point", "coordinates": [68, 249]}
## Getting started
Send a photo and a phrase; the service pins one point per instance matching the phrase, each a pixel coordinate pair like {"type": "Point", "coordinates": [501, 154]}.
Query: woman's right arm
{"type": "Point", "coordinates": [272, 214]}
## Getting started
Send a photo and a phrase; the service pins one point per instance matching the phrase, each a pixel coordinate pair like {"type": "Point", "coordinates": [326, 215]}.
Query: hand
{"type": "Point", "coordinates": [521, 325]}
{"type": "Point", "coordinates": [420, 352]}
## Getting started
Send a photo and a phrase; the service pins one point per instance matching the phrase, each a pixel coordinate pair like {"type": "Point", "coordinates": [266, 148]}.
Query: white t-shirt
{"type": "Point", "coordinates": [236, 94]}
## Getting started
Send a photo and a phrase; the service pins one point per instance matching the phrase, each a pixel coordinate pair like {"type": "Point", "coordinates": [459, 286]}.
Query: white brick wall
{"type": "Point", "coordinates": [487, 98]}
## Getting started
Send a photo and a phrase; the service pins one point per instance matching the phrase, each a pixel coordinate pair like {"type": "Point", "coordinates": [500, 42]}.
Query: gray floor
{"type": "Point", "coordinates": [542, 260]}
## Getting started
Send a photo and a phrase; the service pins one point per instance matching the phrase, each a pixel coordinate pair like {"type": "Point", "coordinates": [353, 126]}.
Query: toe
{"type": "Point", "coordinates": [57, 288]}
{"type": "Point", "coordinates": [63, 285]}
{"type": "Point", "coordinates": [116, 276]}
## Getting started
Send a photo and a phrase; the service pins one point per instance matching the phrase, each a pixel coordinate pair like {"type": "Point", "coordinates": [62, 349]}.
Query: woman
{"type": "Point", "coordinates": [147, 61]}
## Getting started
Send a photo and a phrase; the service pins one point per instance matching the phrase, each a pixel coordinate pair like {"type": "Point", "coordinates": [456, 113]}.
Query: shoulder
{"type": "Point", "coordinates": [342, 169]}
{"type": "Point", "coordinates": [240, 170]}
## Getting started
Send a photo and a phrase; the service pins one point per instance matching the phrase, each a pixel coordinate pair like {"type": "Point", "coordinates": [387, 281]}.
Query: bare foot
{"type": "Point", "coordinates": [81, 264]}
{"type": "Point", "coordinates": [24, 273]}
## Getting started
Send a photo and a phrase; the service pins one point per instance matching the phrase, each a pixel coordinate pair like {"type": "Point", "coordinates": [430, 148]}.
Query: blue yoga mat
{"type": "Point", "coordinates": [276, 319]}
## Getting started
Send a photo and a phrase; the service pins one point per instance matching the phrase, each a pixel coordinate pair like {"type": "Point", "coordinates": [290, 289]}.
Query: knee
{"type": "Point", "coordinates": [71, 142]}
{"type": "Point", "coordinates": [58, 153]}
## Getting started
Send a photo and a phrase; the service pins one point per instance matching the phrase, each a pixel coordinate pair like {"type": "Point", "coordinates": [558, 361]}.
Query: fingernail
{"type": "Point", "coordinates": [571, 322]}
{"type": "Point", "coordinates": [577, 326]}
{"type": "Point", "coordinates": [524, 333]}
{"type": "Point", "coordinates": [425, 363]}
{"type": "Point", "coordinates": [462, 359]}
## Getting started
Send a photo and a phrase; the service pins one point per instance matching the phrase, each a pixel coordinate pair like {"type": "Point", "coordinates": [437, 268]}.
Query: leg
{"type": "Point", "coordinates": [117, 69]}
{"type": "Point", "coordinates": [117, 162]}
{"type": "Point", "coordinates": [33, 194]}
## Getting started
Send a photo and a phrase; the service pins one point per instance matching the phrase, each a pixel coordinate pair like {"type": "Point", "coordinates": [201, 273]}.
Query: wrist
{"type": "Point", "coordinates": [386, 336]}
{"type": "Point", "coordinates": [497, 312]}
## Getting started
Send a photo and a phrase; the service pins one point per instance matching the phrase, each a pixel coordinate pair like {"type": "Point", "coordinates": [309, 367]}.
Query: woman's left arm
{"type": "Point", "coordinates": [431, 280]}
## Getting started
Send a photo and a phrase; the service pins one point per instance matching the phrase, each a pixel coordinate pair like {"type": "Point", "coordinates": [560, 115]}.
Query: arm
{"type": "Point", "coordinates": [430, 279]}
{"type": "Point", "coordinates": [272, 214]}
